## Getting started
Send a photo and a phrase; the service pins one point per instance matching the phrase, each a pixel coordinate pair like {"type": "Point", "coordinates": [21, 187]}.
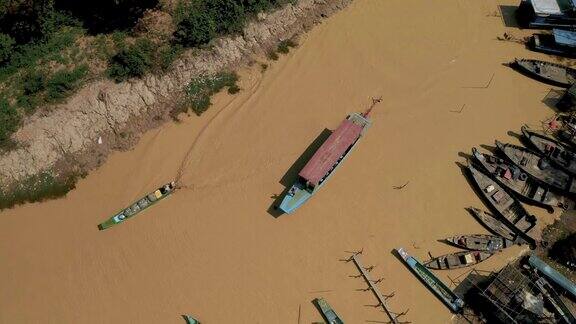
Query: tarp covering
{"type": "Point", "coordinates": [564, 37]}
{"type": "Point", "coordinates": [547, 7]}
{"type": "Point", "coordinates": [330, 151]}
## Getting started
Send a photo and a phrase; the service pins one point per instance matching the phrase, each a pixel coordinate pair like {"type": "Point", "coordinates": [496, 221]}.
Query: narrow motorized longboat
{"type": "Point", "coordinates": [139, 205]}
{"type": "Point", "coordinates": [326, 160]}
{"type": "Point", "coordinates": [190, 320]}
{"type": "Point", "coordinates": [520, 183]}
{"type": "Point", "coordinates": [493, 224]}
{"type": "Point", "coordinates": [538, 167]}
{"type": "Point", "coordinates": [327, 312]}
{"type": "Point", "coordinates": [559, 155]}
{"type": "Point", "coordinates": [457, 260]}
{"type": "Point", "coordinates": [480, 242]}
{"type": "Point", "coordinates": [547, 71]}
{"type": "Point", "coordinates": [517, 218]}
{"type": "Point", "coordinates": [445, 294]}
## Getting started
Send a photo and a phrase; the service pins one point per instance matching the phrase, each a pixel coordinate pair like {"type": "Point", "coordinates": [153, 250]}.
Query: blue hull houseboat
{"type": "Point", "coordinates": [326, 160]}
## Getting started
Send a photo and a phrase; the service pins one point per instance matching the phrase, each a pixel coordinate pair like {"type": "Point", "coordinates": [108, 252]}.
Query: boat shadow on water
{"type": "Point", "coordinates": [508, 15]}
{"type": "Point", "coordinates": [291, 174]}
{"type": "Point", "coordinates": [551, 99]}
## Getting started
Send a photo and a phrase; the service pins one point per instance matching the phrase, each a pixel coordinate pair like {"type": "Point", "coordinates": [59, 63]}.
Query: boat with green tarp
{"type": "Point", "coordinates": [137, 207]}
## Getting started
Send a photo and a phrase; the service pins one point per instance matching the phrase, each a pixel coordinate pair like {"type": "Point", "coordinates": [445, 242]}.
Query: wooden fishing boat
{"type": "Point", "coordinates": [493, 224]}
{"type": "Point", "coordinates": [567, 133]}
{"type": "Point", "coordinates": [546, 71]}
{"type": "Point", "coordinates": [190, 320]}
{"type": "Point", "coordinates": [480, 242]}
{"type": "Point", "coordinates": [538, 167]}
{"type": "Point", "coordinates": [518, 219]}
{"type": "Point", "coordinates": [561, 156]}
{"type": "Point", "coordinates": [457, 260]}
{"type": "Point", "coordinates": [445, 294]}
{"type": "Point", "coordinates": [326, 160]}
{"type": "Point", "coordinates": [520, 183]}
{"type": "Point", "coordinates": [560, 308]}
{"type": "Point", "coordinates": [144, 203]}
{"type": "Point", "coordinates": [327, 312]}
{"type": "Point", "coordinates": [560, 42]}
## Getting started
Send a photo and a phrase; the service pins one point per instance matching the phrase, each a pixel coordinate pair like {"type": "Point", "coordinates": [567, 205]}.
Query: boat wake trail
{"type": "Point", "coordinates": [188, 156]}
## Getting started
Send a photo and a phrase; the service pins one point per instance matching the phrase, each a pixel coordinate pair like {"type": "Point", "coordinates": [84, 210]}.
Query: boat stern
{"type": "Point", "coordinates": [296, 197]}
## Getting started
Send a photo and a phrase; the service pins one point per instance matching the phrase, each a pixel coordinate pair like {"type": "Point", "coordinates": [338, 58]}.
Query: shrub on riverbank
{"type": "Point", "coordinates": [199, 91]}
{"type": "Point", "coordinates": [9, 122]}
{"type": "Point", "coordinates": [49, 47]}
{"type": "Point", "coordinates": [132, 61]}
{"type": "Point", "coordinates": [36, 188]}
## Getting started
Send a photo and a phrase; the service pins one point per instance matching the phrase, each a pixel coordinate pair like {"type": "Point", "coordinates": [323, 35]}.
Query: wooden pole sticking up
{"type": "Point", "coordinates": [379, 296]}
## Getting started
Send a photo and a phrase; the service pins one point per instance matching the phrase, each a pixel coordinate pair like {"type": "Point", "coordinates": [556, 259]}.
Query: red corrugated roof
{"type": "Point", "coordinates": [330, 151]}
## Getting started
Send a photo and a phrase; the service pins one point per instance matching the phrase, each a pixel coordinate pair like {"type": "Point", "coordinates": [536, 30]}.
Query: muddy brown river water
{"type": "Point", "coordinates": [213, 249]}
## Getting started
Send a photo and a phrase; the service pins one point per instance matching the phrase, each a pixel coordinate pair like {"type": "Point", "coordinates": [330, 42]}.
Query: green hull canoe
{"type": "Point", "coordinates": [139, 205]}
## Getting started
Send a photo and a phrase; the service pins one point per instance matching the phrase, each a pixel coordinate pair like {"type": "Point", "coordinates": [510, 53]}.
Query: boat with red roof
{"type": "Point", "coordinates": [326, 160]}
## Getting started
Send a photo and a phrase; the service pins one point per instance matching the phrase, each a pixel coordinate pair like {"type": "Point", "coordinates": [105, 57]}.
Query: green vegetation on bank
{"type": "Point", "coordinates": [283, 48]}
{"type": "Point", "coordinates": [50, 48]}
{"type": "Point", "coordinates": [36, 188]}
{"type": "Point", "coordinates": [199, 91]}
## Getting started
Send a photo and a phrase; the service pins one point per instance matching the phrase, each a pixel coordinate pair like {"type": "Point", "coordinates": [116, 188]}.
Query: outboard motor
{"type": "Point", "coordinates": [543, 164]}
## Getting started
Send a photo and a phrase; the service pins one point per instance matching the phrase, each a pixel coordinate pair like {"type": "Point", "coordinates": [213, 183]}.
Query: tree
{"type": "Point", "coordinates": [197, 27]}
{"type": "Point", "coordinates": [132, 61]}
{"type": "Point", "coordinates": [228, 15]}
{"type": "Point", "coordinates": [6, 46]}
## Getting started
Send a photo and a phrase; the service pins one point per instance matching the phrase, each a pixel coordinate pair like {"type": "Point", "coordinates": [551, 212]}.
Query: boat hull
{"type": "Point", "coordinates": [547, 72]}
{"type": "Point", "coordinates": [445, 294]}
{"type": "Point", "coordinates": [139, 206]}
{"type": "Point", "coordinates": [327, 312]}
{"type": "Point", "coordinates": [512, 212]}
{"type": "Point", "coordinates": [457, 260]}
{"type": "Point", "coordinates": [524, 186]}
{"type": "Point", "coordinates": [299, 194]}
{"type": "Point", "coordinates": [296, 197]}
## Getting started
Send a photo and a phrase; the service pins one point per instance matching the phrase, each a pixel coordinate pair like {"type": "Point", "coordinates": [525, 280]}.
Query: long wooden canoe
{"type": "Point", "coordinates": [140, 205]}
{"type": "Point", "coordinates": [493, 224]}
{"type": "Point", "coordinates": [560, 155]}
{"type": "Point", "coordinates": [457, 260]}
{"type": "Point", "coordinates": [546, 71]}
{"type": "Point", "coordinates": [327, 312]}
{"type": "Point", "coordinates": [538, 167]}
{"type": "Point", "coordinates": [446, 295]}
{"type": "Point", "coordinates": [520, 183]}
{"type": "Point", "coordinates": [501, 201]}
{"type": "Point", "coordinates": [480, 242]}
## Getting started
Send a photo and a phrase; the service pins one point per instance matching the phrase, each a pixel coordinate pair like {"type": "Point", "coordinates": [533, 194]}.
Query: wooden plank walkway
{"type": "Point", "coordinates": [379, 296]}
